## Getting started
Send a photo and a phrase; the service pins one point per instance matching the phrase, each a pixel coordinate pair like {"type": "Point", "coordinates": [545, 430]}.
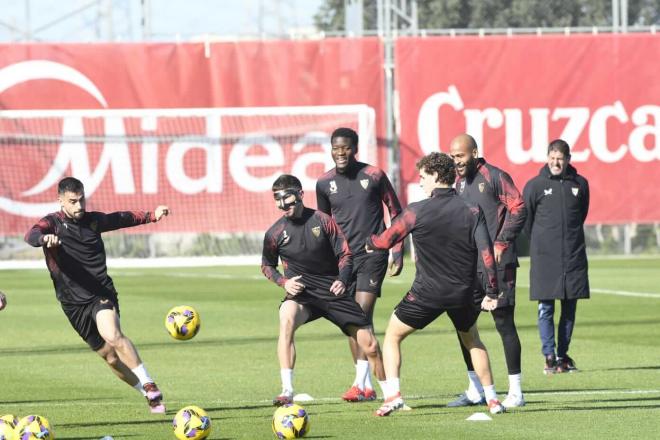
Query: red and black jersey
{"type": "Point", "coordinates": [78, 265]}
{"type": "Point", "coordinates": [494, 191]}
{"type": "Point", "coordinates": [449, 235]}
{"type": "Point", "coordinates": [312, 246]}
{"type": "Point", "coordinates": [355, 200]}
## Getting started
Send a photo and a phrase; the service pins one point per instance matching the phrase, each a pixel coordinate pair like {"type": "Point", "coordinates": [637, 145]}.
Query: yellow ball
{"type": "Point", "coordinates": [34, 427]}
{"type": "Point", "coordinates": [191, 423]}
{"type": "Point", "coordinates": [6, 430]}
{"type": "Point", "coordinates": [182, 322]}
{"type": "Point", "coordinates": [290, 421]}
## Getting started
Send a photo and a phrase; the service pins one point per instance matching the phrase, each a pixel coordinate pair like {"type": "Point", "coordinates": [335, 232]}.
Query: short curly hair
{"type": "Point", "coordinates": [440, 163]}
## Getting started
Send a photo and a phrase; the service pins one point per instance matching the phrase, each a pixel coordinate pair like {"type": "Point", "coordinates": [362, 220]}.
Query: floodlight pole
{"type": "Point", "coordinates": [393, 15]}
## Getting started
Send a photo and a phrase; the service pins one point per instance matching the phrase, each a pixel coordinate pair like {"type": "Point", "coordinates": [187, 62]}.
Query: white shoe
{"type": "Point", "coordinates": [495, 407]}
{"type": "Point", "coordinates": [513, 401]}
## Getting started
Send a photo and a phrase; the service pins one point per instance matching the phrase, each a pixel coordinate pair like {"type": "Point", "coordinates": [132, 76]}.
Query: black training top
{"type": "Point", "coordinates": [449, 234]}
{"type": "Point", "coordinates": [78, 265]}
{"type": "Point", "coordinates": [312, 246]}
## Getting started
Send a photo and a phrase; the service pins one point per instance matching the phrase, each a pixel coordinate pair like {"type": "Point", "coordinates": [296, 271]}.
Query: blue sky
{"type": "Point", "coordinates": [170, 19]}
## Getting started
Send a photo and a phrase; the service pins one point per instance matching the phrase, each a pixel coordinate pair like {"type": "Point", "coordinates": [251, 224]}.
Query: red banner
{"type": "Point", "coordinates": [600, 93]}
{"type": "Point", "coordinates": [223, 121]}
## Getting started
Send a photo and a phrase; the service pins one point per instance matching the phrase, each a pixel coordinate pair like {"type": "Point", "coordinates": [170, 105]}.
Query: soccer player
{"type": "Point", "coordinates": [317, 268]}
{"type": "Point", "coordinates": [75, 256]}
{"type": "Point", "coordinates": [558, 203]}
{"type": "Point", "coordinates": [494, 191]}
{"type": "Point", "coordinates": [449, 235]}
{"type": "Point", "coordinates": [354, 193]}
{"type": "Point", "coordinates": [3, 301]}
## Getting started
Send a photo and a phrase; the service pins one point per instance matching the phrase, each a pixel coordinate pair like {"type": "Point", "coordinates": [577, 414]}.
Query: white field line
{"type": "Point", "coordinates": [389, 280]}
{"type": "Point", "coordinates": [122, 401]}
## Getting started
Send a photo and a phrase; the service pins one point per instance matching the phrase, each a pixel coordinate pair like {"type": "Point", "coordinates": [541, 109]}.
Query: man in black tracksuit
{"type": "Point", "coordinates": [449, 235]}
{"type": "Point", "coordinates": [75, 256]}
{"type": "Point", "coordinates": [354, 194]}
{"type": "Point", "coordinates": [494, 191]}
{"type": "Point", "coordinates": [317, 269]}
{"type": "Point", "coordinates": [558, 202]}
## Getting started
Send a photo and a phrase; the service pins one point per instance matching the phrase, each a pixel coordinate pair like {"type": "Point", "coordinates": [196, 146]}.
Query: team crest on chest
{"type": "Point", "coordinates": [575, 191]}
{"type": "Point", "coordinates": [94, 226]}
{"type": "Point", "coordinates": [333, 187]}
{"type": "Point", "coordinates": [462, 187]}
{"type": "Point", "coordinates": [316, 230]}
{"type": "Point", "coordinates": [482, 186]}
{"type": "Point", "coordinates": [364, 183]}
{"type": "Point", "coordinates": [285, 237]}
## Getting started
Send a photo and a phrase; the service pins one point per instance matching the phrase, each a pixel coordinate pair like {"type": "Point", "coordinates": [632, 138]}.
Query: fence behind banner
{"type": "Point", "coordinates": [212, 167]}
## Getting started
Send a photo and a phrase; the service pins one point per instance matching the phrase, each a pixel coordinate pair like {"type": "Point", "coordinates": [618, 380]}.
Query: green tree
{"type": "Point", "coordinates": [437, 14]}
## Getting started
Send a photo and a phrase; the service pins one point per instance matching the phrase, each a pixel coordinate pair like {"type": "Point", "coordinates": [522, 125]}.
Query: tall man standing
{"type": "Point", "coordinates": [354, 193]}
{"type": "Point", "coordinates": [317, 268]}
{"type": "Point", "coordinates": [494, 191]}
{"type": "Point", "coordinates": [75, 256]}
{"type": "Point", "coordinates": [557, 201]}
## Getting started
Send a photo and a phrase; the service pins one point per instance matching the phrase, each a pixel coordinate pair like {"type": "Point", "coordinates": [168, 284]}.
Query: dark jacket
{"type": "Point", "coordinates": [557, 207]}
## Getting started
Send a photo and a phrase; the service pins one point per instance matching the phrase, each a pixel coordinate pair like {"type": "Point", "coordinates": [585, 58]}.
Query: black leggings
{"type": "Point", "coordinates": [506, 327]}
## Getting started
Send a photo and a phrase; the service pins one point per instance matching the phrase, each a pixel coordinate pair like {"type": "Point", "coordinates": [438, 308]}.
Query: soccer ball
{"type": "Point", "coordinates": [7, 424]}
{"type": "Point", "coordinates": [182, 322]}
{"type": "Point", "coordinates": [290, 421]}
{"type": "Point", "coordinates": [34, 427]}
{"type": "Point", "coordinates": [191, 423]}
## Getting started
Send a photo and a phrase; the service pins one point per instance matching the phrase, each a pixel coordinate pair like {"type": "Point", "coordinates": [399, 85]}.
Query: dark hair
{"type": "Point", "coordinates": [287, 181]}
{"type": "Point", "coordinates": [70, 184]}
{"type": "Point", "coordinates": [347, 133]}
{"type": "Point", "coordinates": [561, 146]}
{"type": "Point", "coordinates": [440, 163]}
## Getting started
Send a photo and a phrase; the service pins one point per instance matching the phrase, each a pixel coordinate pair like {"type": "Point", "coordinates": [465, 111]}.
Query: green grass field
{"type": "Point", "coordinates": [231, 369]}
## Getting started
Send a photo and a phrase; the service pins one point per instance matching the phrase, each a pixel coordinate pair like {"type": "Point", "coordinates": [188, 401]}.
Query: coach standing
{"type": "Point", "coordinates": [557, 202]}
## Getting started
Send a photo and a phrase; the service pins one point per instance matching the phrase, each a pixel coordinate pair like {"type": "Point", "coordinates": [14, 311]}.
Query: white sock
{"type": "Point", "coordinates": [384, 389]}
{"type": "Point", "coordinates": [361, 373]}
{"type": "Point", "coordinates": [138, 386]}
{"type": "Point", "coordinates": [367, 380]}
{"type": "Point", "coordinates": [475, 390]}
{"type": "Point", "coordinates": [286, 374]}
{"type": "Point", "coordinates": [394, 386]}
{"type": "Point", "coordinates": [489, 391]}
{"type": "Point", "coordinates": [514, 384]}
{"type": "Point", "coordinates": [142, 374]}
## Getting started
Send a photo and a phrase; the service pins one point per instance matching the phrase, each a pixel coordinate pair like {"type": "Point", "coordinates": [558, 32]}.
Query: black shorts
{"type": "Point", "coordinates": [368, 273]}
{"type": "Point", "coordinates": [412, 313]}
{"type": "Point", "coordinates": [506, 282]}
{"type": "Point", "coordinates": [342, 311]}
{"type": "Point", "coordinates": [83, 319]}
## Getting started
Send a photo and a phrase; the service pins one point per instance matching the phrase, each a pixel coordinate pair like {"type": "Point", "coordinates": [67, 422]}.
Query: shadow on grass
{"type": "Point", "coordinates": [650, 367]}
{"type": "Point", "coordinates": [96, 437]}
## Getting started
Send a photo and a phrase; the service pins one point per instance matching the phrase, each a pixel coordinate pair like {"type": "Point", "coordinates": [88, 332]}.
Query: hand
{"type": "Point", "coordinates": [3, 301]}
{"type": "Point", "coordinates": [160, 212]}
{"type": "Point", "coordinates": [395, 267]}
{"type": "Point", "coordinates": [498, 251]}
{"type": "Point", "coordinates": [338, 288]}
{"type": "Point", "coordinates": [51, 240]}
{"type": "Point", "coordinates": [488, 303]}
{"type": "Point", "coordinates": [293, 287]}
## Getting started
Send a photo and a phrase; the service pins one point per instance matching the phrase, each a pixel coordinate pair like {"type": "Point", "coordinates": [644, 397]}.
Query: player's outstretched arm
{"type": "Point", "coordinates": [42, 234]}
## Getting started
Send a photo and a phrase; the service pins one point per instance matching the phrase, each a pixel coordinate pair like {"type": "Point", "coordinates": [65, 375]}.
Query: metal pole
{"type": "Point", "coordinates": [28, 21]}
{"type": "Point", "coordinates": [146, 19]}
{"type": "Point", "coordinates": [624, 16]}
{"type": "Point", "coordinates": [615, 16]}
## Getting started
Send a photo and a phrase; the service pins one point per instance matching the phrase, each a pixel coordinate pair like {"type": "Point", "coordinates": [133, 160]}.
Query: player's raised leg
{"type": "Point", "coordinates": [107, 322]}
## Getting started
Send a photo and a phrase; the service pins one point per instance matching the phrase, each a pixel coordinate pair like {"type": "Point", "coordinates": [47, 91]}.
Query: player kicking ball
{"type": "Point", "coordinates": [75, 256]}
